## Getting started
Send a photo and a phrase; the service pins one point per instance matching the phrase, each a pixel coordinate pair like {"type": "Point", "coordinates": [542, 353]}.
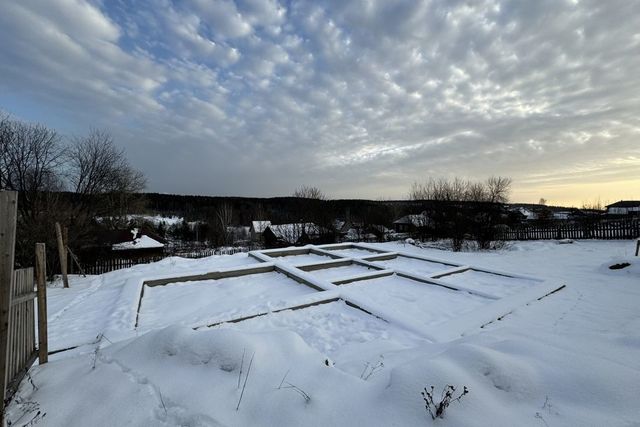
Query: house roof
{"type": "Point", "coordinates": [112, 237]}
{"type": "Point", "coordinates": [260, 226]}
{"type": "Point", "coordinates": [416, 220]}
{"type": "Point", "coordinates": [141, 242]}
{"type": "Point", "coordinates": [291, 233]}
{"type": "Point", "coordinates": [625, 204]}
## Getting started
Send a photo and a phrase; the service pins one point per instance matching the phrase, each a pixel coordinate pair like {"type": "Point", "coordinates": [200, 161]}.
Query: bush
{"type": "Point", "coordinates": [437, 410]}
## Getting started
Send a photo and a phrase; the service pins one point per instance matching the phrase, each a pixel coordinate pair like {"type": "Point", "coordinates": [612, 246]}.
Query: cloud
{"type": "Point", "coordinates": [223, 18]}
{"type": "Point", "coordinates": [360, 98]}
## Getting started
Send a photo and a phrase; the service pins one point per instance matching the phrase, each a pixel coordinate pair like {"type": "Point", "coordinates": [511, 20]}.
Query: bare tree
{"type": "Point", "coordinates": [30, 161]}
{"type": "Point", "coordinates": [542, 201]}
{"type": "Point", "coordinates": [101, 175]}
{"type": "Point", "coordinates": [494, 190]}
{"type": "Point", "coordinates": [224, 217]}
{"type": "Point", "coordinates": [476, 191]}
{"type": "Point", "coordinates": [595, 205]}
{"type": "Point", "coordinates": [441, 189]}
{"type": "Point", "coordinates": [34, 162]}
{"type": "Point", "coordinates": [307, 192]}
{"type": "Point", "coordinates": [464, 207]}
{"type": "Point", "coordinates": [5, 138]}
{"type": "Point", "coordinates": [98, 166]}
{"type": "Point", "coordinates": [498, 189]}
{"type": "Point", "coordinates": [30, 156]}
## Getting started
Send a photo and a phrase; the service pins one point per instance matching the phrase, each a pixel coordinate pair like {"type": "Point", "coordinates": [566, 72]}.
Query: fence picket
{"type": "Point", "coordinates": [604, 229]}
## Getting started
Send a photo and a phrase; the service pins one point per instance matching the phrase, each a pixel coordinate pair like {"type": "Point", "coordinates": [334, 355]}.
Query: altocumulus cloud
{"type": "Point", "coordinates": [253, 97]}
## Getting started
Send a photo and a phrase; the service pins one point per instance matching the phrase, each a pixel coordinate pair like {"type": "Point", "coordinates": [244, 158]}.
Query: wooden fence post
{"type": "Point", "coordinates": [41, 274]}
{"type": "Point", "coordinates": [8, 216]}
{"type": "Point", "coordinates": [65, 239]}
{"type": "Point", "coordinates": [62, 254]}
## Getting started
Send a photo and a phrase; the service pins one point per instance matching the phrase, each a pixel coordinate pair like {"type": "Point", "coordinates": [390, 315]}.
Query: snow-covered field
{"type": "Point", "coordinates": [129, 353]}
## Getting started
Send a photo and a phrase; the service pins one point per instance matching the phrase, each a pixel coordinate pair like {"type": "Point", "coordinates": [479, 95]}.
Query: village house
{"type": "Point", "coordinates": [135, 242]}
{"type": "Point", "coordinates": [411, 223]}
{"type": "Point", "coordinates": [257, 228]}
{"type": "Point", "coordinates": [624, 207]}
{"type": "Point", "coordinates": [290, 234]}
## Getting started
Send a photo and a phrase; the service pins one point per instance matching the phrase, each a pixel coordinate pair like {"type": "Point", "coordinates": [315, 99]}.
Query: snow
{"type": "Point", "coordinates": [142, 242]}
{"type": "Point", "coordinates": [335, 273]}
{"type": "Point", "coordinates": [260, 226]}
{"type": "Point", "coordinates": [100, 304]}
{"type": "Point", "coordinates": [302, 259]}
{"type": "Point", "coordinates": [199, 302]}
{"type": "Point", "coordinates": [333, 329]}
{"type": "Point", "coordinates": [426, 304]}
{"type": "Point", "coordinates": [571, 358]}
{"type": "Point", "coordinates": [417, 266]}
{"type": "Point", "coordinates": [353, 252]}
{"type": "Point", "coordinates": [156, 220]}
{"type": "Point", "coordinates": [492, 284]}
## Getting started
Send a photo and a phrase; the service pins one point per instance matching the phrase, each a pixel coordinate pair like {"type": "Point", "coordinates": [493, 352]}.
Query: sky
{"type": "Point", "coordinates": [358, 98]}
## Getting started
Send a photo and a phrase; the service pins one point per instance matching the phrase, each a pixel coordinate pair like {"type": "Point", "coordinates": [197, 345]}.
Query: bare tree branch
{"type": "Point", "coordinates": [307, 192]}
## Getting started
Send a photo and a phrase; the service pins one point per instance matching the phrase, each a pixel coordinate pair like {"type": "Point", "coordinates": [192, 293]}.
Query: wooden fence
{"type": "Point", "coordinates": [104, 265]}
{"type": "Point", "coordinates": [610, 230]}
{"type": "Point", "coordinates": [22, 351]}
{"type": "Point", "coordinates": [107, 264]}
{"type": "Point", "coordinates": [18, 347]}
{"type": "Point", "coordinates": [203, 253]}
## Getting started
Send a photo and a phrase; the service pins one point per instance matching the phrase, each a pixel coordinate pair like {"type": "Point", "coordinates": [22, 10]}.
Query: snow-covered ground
{"type": "Point", "coordinates": [198, 302]}
{"type": "Point", "coordinates": [412, 264]}
{"type": "Point", "coordinates": [569, 359]}
{"type": "Point", "coordinates": [334, 273]}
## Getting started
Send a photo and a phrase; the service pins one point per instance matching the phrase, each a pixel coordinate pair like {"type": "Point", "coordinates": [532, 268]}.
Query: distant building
{"type": "Point", "coordinates": [624, 207]}
{"type": "Point", "coordinates": [290, 234]}
{"type": "Point", "coordinates": [527, 214]}
{"type": "Point", "coordinates": [411, 223]}
{"type": "Point", "coordinates": [134, 242]}
{"type": "Point", "coordinates": [257, 228]}
{"type": "Point", "coordinates": [563, 215]}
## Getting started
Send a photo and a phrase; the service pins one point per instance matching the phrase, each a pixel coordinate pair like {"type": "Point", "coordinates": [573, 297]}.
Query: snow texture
{"type": "Point", "coordinates": [493, 284]}
{"type": "Point", "coordinates": [335, 273]}
{"type": "Point", "coordinates": [194, 303]}
{"type": "Point", "coordinates": [142, 242]}
{"type": "Point", "coordinates": [423, 303]}
{"type": "Point", "coordinates": [570, 359]}
{"type": "Point", "coordinates": [302, 259]}
{"type": "Point", "coordinates": [353, 252]}
{"type": "Point", "coordinates": [417, 266]}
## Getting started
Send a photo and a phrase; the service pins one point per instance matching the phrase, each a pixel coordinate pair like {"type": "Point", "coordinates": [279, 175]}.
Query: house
{"type": "Point", "coordinates": [290, 234]}
{"type": "Point", "coordinates": [136, 241]}
{"type": "Point", "coordinates": [381, 232]}
{"type": "Point", "coordinates": [257, 228]}
{"type": "Point", "coordinates": [410, 223]}
{"type": "Point", "coordinates": [341, 229]}
{"type": "Point", "coordinates": [526, 214]}
{"type": "Point", "coordinates": [562, 215]}
{"type": "Point", "coordinates": [137, 244]}
{"type": "Point", "coordinates": [624, 207]}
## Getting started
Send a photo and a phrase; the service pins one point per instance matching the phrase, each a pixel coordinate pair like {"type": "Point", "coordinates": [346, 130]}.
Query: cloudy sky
{"type": "Point", "coordinates": [360, 98]}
